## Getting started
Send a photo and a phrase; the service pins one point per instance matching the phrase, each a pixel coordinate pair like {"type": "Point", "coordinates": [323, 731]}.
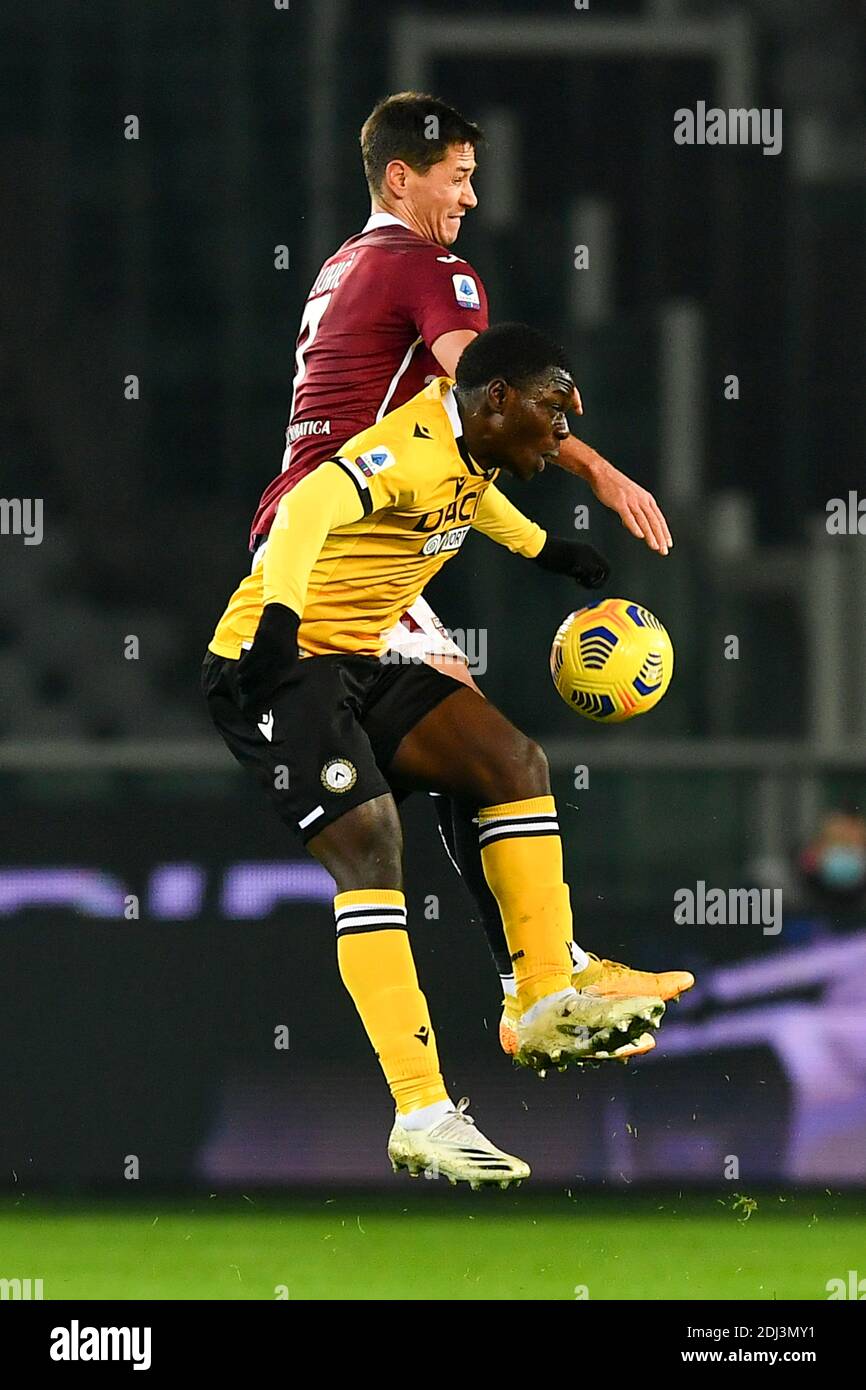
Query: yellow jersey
{"type": "Point", "coordinates": [354, 544]}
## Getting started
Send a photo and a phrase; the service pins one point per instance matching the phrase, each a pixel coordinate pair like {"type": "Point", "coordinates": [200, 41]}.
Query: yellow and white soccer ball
{"type": "Point", "coordinates": [611, 660]}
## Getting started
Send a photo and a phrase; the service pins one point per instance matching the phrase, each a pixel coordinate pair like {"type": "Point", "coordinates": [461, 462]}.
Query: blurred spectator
{"type": "Point", "coordinates": [833, 865]}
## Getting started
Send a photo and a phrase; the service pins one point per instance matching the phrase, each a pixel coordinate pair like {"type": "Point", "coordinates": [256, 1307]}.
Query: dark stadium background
{"type": "Point", "coordinates": [155, 257]}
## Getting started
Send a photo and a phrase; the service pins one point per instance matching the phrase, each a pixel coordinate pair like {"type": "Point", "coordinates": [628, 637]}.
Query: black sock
{"type": "Point", "coordinates": [460, 837]}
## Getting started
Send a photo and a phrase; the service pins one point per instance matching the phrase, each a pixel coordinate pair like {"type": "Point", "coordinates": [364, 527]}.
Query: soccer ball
{"type": "Point", "coordinates": [611, 660]}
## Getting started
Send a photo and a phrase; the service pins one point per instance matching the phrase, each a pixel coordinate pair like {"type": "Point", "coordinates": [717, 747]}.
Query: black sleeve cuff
{"type": "Point", "coordinates": [279, 624]}
{"type": "Point", "coordinates": [557, 555]}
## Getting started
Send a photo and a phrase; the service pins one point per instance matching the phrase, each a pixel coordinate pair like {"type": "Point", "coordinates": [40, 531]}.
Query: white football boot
{"type": "Point", "coordinates": [453, 1148]}
{"type": "Point", "coordinates": [570, 1028]}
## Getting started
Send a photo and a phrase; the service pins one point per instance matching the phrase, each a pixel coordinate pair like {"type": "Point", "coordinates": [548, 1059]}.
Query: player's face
{"type": "Point", "coordinates": [441, 198]}
{"type": "Point", "coordinates": [531, 424]}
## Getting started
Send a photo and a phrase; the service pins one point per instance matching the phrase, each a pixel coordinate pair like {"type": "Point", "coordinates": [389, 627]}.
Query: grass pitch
{"type": "Point", "coordinates": [427, 1245]}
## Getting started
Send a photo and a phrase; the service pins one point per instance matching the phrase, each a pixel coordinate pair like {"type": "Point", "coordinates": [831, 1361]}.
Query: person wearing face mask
{"type": "Point", "coordinates": [833, 865]}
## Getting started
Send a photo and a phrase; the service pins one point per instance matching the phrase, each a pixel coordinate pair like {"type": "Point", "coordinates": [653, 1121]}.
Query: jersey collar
{"type": "Point", "coordinates": [449, 401]}
{"type": "Point", "coordinates": [383, 219]}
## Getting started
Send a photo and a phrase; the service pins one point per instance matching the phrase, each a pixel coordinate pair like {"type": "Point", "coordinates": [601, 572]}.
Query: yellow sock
{"type": "Point", "coordinates": [376, 966]}
{"type": "Point", "coordinates": [522, 857]}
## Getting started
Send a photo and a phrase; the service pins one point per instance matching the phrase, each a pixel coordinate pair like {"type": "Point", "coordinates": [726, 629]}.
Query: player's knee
{"type": "Point", "coordinates": [533, 770]}
{"type": "Point", "coordinates": [364, 848]}
{"type": "Point", "coordinates": [520, 772]}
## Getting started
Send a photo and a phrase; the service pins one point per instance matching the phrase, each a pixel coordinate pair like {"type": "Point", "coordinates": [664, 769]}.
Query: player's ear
{"type": "Point", "coordinates": [497, 394]}
{"type": "Point", "coordinates": [396, 176]}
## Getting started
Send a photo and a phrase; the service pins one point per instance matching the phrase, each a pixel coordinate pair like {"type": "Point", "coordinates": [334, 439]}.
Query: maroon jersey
{"type": "Point", "coordinates": [364, 347]}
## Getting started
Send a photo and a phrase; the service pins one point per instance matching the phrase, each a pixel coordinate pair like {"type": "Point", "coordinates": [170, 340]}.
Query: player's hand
{"type": "Point", "coordinates": [636, 508]}
{"type": "Point", "coordinates": [580, 561]}
{"type": "Point", "coordinates": [271, 662]}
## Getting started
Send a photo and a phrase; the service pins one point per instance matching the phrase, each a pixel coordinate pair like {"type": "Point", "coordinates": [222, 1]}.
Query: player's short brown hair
{"type": "Point", "coordinates": [416, 128]}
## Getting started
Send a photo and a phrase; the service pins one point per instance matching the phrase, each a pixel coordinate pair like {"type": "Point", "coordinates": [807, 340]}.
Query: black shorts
{"type": "Point", "coordinates": [332, 734]}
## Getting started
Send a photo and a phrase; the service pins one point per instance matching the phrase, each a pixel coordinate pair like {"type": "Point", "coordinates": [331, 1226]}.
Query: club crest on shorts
{"type": "Point", "coordinates": [339, 775]}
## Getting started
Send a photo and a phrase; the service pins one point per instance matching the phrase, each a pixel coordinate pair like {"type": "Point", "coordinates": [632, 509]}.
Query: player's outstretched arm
{"type": "Point", "coordinates": [636, 508]}
{"type": "Point", "coordinates": [504, 523]}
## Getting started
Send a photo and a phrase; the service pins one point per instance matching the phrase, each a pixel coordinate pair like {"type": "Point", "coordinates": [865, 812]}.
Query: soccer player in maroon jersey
{"type": "Point", "coordinates": [389, 310]}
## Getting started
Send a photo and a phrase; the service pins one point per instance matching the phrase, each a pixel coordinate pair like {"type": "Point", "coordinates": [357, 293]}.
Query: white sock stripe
{"type": "Point", "coordinates": [380, 913]}
{"type": "Point", "coordinates": [370, 905]}
{"type": "Point", "coordinates": [513, 834]}
{"type": "Point", "coordinates": [371, 924]}
{"type": "Point", "coordinates": [363, 909]}
{"type": "Point", "coordinates": [350, 919]}
{"type": "Point", "coordinates": [540, 827]}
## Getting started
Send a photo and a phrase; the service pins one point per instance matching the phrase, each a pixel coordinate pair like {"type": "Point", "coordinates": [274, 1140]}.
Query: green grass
{"type": "Point", "coordinates": [437, 1246]}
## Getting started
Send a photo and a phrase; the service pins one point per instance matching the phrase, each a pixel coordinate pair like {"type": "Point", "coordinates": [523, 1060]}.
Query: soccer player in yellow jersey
{"type": "Point", "coordinates": [297, 678]}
